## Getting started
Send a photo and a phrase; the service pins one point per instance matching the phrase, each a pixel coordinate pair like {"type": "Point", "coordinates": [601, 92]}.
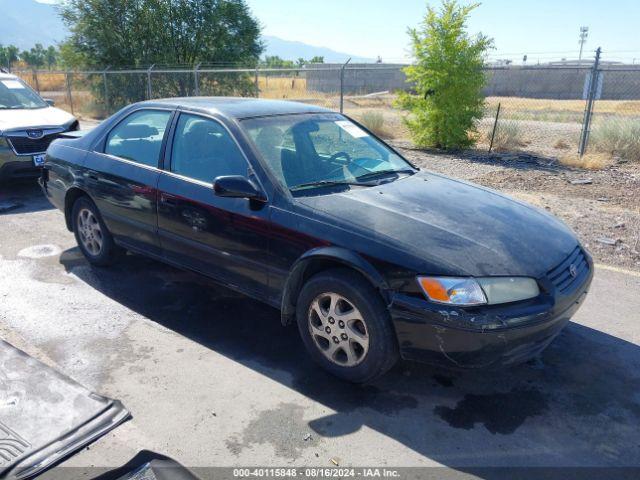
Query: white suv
{"type": "Point", "coordinates": [28, 124]}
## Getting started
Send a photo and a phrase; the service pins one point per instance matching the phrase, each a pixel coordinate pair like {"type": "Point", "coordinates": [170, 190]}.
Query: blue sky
{"type": "Point", "coordinates": [544, 29]}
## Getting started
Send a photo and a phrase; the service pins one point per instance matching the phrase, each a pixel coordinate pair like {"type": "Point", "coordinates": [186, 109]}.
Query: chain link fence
{"type": "Point", "coordinates": [549, 111]}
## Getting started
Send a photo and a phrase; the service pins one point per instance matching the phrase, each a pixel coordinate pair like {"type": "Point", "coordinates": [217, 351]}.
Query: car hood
{"type": "Point", "coordinates": [36, 118]}
{"type": "Point", "coordinates": [456, 227]}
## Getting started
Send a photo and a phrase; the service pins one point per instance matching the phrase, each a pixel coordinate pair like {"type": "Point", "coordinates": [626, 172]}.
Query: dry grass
{"type": "Point", "coordinates": [374, 121]}
{"type": "Point", "coordinates": [282, 87]}
{"type": "Point", "coordinates": [393, 124]}
{"type": "Point", "coordinates": [618, 107]}
{"type": "Point", "coordinates": [589, 161]}
{"type": "Point", "coordinates": [46, 81]}
{"type": "Point", "coordinates": [561, 144]}
{"type": "Point", "coordinates": [508, 137]}
{"type": "Point", "coordinates": [617, 137]}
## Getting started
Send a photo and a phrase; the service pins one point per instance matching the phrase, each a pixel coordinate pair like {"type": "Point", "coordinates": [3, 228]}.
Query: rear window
{"type": "Point", "coordinates": [139, 137]}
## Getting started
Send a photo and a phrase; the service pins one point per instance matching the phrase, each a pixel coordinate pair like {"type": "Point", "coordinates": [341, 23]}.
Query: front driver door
{"type": "Point", "coordinates": [225, 238]}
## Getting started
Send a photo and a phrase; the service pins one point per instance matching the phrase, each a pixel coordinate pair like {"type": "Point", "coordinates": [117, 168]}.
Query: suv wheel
{"type": "Point", "coordinates": [94, 240]}
{"type": "Point", "coordinates": [345, 326]}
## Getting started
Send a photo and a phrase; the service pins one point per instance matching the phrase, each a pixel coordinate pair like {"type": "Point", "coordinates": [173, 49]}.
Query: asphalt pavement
{"type": "Point", "coordinates": [212, 378]}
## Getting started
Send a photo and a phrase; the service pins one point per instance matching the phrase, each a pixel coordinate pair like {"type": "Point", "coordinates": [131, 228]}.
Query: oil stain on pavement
{"type": "Point", "coordinates": [282, 427]}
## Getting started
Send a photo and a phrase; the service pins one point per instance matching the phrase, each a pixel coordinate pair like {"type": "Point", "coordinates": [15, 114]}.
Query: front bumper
{"type": "Point", "coordinates": [482, 337]}
{"type": "Point", "coordinates": [17, 167]}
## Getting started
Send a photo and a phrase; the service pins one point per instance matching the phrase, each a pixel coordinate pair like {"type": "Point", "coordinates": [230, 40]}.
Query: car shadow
{"type": "Point", "coordinates": [23, 196]}
{"type": "Point", "coordinates": [577, 405]}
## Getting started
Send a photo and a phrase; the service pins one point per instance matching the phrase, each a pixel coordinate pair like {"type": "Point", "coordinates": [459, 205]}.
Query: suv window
{"type": "Point", "coordinates": [15, 94]}
{"type": "Point", "coordinates": [139, 137]}
{"type": "Point", "coordinates": [204, 150]}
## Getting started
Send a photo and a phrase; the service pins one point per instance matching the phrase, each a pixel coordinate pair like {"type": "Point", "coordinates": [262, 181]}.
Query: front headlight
{"type": "Point", "coordinates": [478, 291]}
{"type": "Point", "coordinates": [453, 291]}
{"type": "Point", "coordinates": [509, 289]}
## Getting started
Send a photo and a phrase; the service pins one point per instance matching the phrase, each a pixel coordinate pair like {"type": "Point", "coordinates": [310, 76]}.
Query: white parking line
{"type": "Point", "coordinates": [617, 270]}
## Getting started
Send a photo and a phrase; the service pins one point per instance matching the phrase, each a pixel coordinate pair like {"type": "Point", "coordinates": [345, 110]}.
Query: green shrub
{"type": "Point", "coordinates": [374, 121]}
{"type": "Point", "coordinates": [447, 79]}
{"type": "Point", "coordinates": [621, 138]}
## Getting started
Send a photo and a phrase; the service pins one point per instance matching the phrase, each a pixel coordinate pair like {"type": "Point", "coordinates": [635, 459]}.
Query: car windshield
{"type": "Point", "coordinates": [319, 150]}
{"type": "Point", "coordinates": [15, 94]}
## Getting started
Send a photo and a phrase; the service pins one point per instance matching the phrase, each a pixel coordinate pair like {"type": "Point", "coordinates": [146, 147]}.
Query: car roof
{"type": "Point", "coordinates": [7, 76]}
{"type": "Point", "coordinates": [237, 108]}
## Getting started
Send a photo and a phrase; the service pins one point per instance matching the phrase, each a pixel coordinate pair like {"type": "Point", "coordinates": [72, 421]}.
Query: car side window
{"type": "Point", "coordinates": [139, 137]}
{"type": "Point", "coordinates": [203, 150]}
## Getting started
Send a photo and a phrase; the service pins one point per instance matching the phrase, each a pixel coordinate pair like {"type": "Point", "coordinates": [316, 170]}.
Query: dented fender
{"type": "Point", "coordinates": [316, 258]}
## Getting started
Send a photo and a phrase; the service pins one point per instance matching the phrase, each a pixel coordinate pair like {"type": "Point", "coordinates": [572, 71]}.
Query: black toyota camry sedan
{"type": "Point", "coordinates": [307, 211]}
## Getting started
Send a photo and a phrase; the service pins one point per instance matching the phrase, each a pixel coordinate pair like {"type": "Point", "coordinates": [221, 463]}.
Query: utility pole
{"type": "Point", "coordinates": [584, 34]}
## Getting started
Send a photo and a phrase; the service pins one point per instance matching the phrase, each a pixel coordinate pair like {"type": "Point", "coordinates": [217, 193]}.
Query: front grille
{"type": "Point", "coordinates": [562, 277]}
{"type": "Point", "coordinates": [30, 146]}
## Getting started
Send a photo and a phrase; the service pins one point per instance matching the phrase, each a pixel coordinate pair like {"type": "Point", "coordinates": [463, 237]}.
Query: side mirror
{"type": "Point", "coordinates": [50, 101]}
{"type": "Point", "coordinates": [236, 186]}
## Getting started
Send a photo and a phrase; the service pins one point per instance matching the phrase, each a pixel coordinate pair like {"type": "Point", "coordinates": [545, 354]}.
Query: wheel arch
{"type": "Point", "coordinates": [73, 194]}
{"type": "Point", "coordinates": [321, 259]}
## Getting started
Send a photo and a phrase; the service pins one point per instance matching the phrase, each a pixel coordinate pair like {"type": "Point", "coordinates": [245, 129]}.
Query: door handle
{"type": "Point", "coordinates": [168, 199]}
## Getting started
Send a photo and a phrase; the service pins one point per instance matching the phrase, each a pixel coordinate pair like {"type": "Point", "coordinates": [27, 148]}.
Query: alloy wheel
{"type": "Point", "coordinates": [90, 232]}
{"type": "Point", "coordinates": [338, 329]}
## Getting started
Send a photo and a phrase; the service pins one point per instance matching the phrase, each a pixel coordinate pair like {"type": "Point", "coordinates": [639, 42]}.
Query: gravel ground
{"type": "Point", "coordinates": [604, 213]}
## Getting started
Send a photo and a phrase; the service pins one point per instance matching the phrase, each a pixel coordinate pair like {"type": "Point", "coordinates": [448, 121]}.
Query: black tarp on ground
{"type": "Point", "coordinates": [45, 416]}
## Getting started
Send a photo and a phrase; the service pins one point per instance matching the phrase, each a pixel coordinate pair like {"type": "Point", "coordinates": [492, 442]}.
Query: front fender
{"type": "Point", "coordinates": [320, 259]}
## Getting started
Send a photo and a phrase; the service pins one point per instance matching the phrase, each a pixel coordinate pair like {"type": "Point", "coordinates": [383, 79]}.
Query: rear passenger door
{"type": "Point", "coordinates": [122, 177]}
{"type": "Point", "coordinates": [225, 238]}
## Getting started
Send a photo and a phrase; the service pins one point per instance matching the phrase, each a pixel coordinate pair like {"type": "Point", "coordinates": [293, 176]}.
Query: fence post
{"type": "Point", "coordinates": [196, 80]}
{"type": "Point", "coordinates": [257, 84]}
{"type": "Point", "coordinates": [149, 81]}
{"type": "Point", "coordinates": [495, 125]}
{"type": "Point", "coordinates": [342, 85]}
{"type": "Point", "coordinates": [588, 111]}
{"type": "Point", "coordinates": [106, 90]}
{"type": "Point", "coordinates": [69, 96]}
{"type": "Point", "coordinates": [35, 80]}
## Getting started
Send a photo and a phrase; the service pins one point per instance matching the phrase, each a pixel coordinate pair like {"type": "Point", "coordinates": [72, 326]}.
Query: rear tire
{"type": "Point", "coordinates": [93, 238]}
{"type": "Point", "coordinates": [346, 326]}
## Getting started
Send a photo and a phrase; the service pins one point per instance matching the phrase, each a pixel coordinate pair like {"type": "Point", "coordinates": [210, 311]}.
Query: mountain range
{"type": "Point", "coordinates": [26, 22]}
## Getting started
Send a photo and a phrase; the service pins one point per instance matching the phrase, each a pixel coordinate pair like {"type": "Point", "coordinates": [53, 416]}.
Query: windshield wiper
{"type": "Point", "coordinates": [369, 175]}
{"type": "Point", "coordinates": [328, 183]}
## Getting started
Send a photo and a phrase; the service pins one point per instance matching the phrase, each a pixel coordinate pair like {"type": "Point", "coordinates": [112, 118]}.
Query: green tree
{"type": "Point", "coordinates": [69, 57]}
{"type": "Point", "coordinates": [275, 61]}
{"type": "Point", "coordinates": [36, 57]}
{"type": "Point", "coordinates": [163, 32]}
{"type": "Point", "coordinates": [317, 59]}
{"type": "Point", "coordinates": [51, 57]}
{"type": "Point", "coordinates": [141, 33]}
{"type": "Point", "coordinates": [447, 78]}
{"type": "Point", "coordinates": [8, 55]}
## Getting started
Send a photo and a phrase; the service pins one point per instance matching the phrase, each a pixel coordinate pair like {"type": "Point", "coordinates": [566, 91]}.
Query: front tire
{"type": "Point", "coordinates": [93, 238]}
{"type": "Point", "coordinates": [346, 326]}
